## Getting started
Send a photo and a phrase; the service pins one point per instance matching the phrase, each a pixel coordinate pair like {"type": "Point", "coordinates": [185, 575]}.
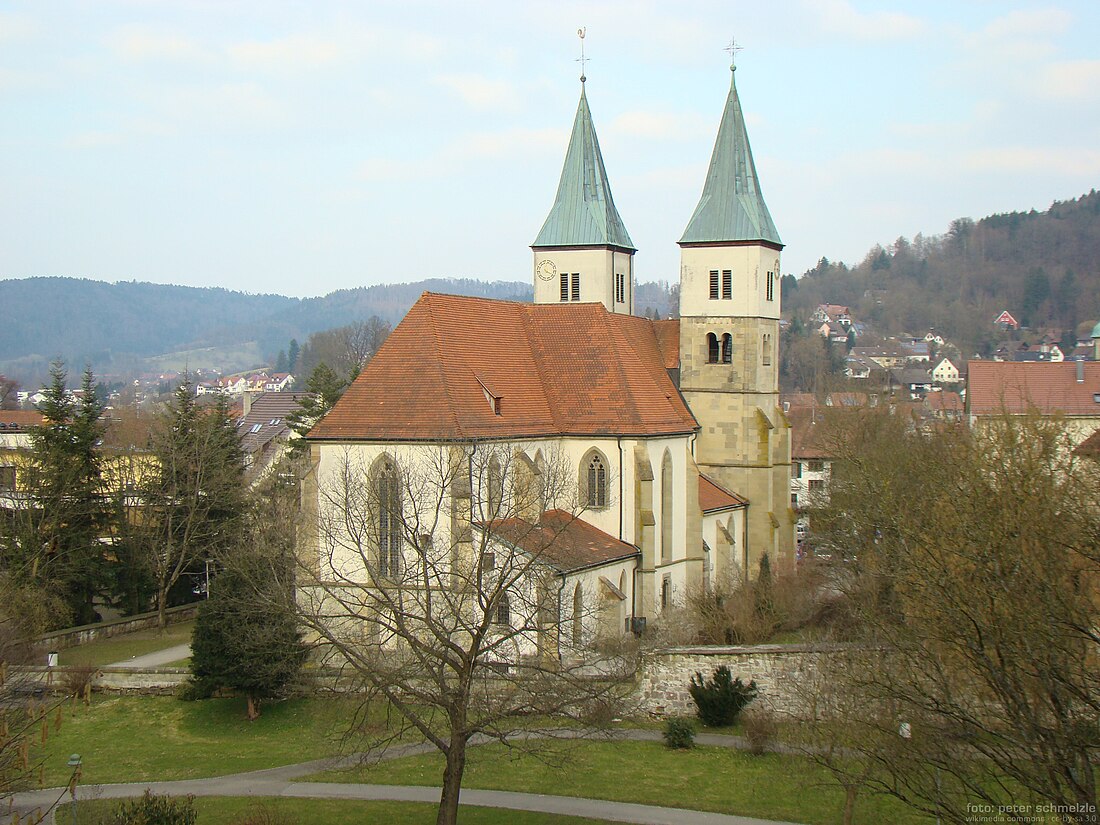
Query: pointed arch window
{"type": "Point", "coordinates": [727, 349]}
{"type": "Point", "coordinates": [387, 489]}
{"type": "Point", "coordinates": [504, 610]}
{"type": "Point", "coordinates": [767, 350]}
{"type": "Point", "coordinates": [712, 348]}
{"type": "Point", "coordinates": [595, 478]}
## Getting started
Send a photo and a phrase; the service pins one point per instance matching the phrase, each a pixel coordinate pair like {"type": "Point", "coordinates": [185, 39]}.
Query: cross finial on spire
{"type": "Point", "coordinates": [582, 59]}
{"type": "Point", "coordinates": [733, 49]}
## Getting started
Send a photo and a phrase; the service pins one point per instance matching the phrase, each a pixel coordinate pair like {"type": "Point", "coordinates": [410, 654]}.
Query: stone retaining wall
{"type": "Point", "coordinates": [72, 636]}
{"type": "Point", "coordinates": [778, 670]}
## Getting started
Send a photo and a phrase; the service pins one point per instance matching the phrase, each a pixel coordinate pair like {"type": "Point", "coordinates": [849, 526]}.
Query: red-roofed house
{"type": "Point", "coordinates": [1070, 389]}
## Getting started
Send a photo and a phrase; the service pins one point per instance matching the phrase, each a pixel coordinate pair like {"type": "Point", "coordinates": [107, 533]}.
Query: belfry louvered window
{"type": "Point", "coordinates": [714, 284]}
{"type": "Point", "coordinates": [564, 287]}
{"type": "Point", "coordinates": [576, 293]}
{"type": "Point", "coordinates": [727, 284]}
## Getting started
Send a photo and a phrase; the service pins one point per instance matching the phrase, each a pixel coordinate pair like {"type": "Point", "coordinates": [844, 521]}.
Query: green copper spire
{"type": "Point", "coordinates": [584, 213]}
{"type": "Point", "coordinates": [732, 207]}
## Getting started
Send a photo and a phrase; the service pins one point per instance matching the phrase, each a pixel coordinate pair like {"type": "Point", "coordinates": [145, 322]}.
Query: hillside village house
{"type": "Point", "coordinates": [675, 448]}
{"type": "Point", "coordinates": [1070, 389]}
{"type": "Point", "coordinates": [945, 372]}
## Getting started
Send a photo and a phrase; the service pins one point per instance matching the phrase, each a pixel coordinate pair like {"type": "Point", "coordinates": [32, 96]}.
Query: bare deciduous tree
{"type": "Point", "coordinates": [973, 568]}
{"type": "Point", "coordinates": [434, 580]}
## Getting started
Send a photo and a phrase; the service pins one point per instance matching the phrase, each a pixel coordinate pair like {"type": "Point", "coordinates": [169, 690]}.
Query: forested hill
{"type": "Point", "coordinates": [115, 326]}
{"type": "Point", "coordinates": [1044, 267]}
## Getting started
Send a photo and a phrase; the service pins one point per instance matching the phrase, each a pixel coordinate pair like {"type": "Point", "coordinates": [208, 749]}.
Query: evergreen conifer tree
{"type": "Point", "coordinates": [246, 636]}
{"type": "Point", "coordinates": [68, 517]}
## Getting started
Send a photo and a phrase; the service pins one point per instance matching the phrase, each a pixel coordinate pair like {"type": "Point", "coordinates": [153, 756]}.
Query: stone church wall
{"type": "Point", "coordinates": [778, 671]}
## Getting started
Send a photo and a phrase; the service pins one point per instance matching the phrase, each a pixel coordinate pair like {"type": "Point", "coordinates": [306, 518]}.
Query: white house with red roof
{"type": "Point", "coordinates": [633, 461]}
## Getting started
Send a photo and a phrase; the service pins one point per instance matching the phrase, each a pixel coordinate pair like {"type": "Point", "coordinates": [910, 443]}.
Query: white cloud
{"type": "Point", "coordinates": [842, 18]}
{"type": "Point", "coordinates": [1028, 23]}
{"type": "Point", "coordinates": [508, 142]}
{"type": "Point", "coordinates": [288, 53]}
{"type": "Point", "coordinates": [649, 124]}
{"type": "Point", "coordinates": [1069, 80]}
{"type": "Point", "coordinates": [1035, 160]}
{"type": "Point", "coordinates": [140, 43]}
{"type": "Point", "coordinates": [15, 27]}
{"type": "Point", "coordinates": [381, 170]}
{"type": "Point", "coordinates": [227, 103]}
{"type": "Point", "coordinates": [481, 92]}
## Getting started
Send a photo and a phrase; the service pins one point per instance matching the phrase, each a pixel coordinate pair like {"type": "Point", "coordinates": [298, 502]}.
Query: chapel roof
{"type": "Point", "coordinates": [563, 541]}
{"type": "Point", "coordinates": [732, 205]}
{"type": "Point", "coordinates": [713, 496]}
{"type": "Point", "coordinates": [584, 212]}
{"type": "Point", "coordinates": [461, 368]}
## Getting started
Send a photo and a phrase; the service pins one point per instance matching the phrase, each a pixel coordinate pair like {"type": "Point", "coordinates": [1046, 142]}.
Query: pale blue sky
{"type": "Point", "coordinates": [302, 147]}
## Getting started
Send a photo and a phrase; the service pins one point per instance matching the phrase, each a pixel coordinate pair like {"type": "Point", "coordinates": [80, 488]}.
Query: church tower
{"type": "Point", "coordinates": [583, 252]}
{"type": "Point", "coordinates": [729, 337]}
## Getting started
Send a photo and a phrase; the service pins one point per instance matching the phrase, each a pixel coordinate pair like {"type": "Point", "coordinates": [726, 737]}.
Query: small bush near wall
{"type": "Point", "coordinates": [759, 725]}
{"type": "Point", "coordinates": [721, 698]}
{"type": "Point", "coordinates": [679, 733]}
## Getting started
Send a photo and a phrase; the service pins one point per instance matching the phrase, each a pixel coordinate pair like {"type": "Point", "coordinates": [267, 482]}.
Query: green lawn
{"type": "Point", "coordinates": [226, 811]}
{"type": "Point", "coordinates": [772, 786]}
{"type": "Point", "coordinates": [128, 739]}
{"type": "Point", "coordinates": [121, 648]}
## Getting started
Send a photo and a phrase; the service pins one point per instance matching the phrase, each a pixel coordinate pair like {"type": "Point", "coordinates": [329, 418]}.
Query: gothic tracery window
{"type": "Point", "coordinates": [596, 481]}
{"type": "Point", "coordinates": [387, 491]}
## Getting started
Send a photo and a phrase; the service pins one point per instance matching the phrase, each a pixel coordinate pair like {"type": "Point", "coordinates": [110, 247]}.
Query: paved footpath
{"type": "Point", "coordinates": [281, 782]}
{"type": "Point", "coordinates": [160, 657]}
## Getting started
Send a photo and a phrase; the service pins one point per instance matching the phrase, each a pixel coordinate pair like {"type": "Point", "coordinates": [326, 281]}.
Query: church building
{"type": "Point", "coordinates": [676, 449]}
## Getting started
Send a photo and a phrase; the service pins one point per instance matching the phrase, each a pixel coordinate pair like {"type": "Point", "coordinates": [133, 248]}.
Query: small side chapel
{"type": "Point", "coordinates": [672, 430]}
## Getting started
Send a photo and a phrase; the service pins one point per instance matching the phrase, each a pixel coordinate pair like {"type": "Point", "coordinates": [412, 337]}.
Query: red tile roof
{"type": "Point", "coordinates": [21, 419]}
{"type": "Point", "coordinates": [806, 433]}
{"type": "Point", "coordinates": [1020, 386]}
{"type": "Point", "coordinates": [946, 401]}
{"type": "Point", "coordinates": [668, 339]}
{"type": "Point", "coordinates": [713, 496]}
{"type": "Point", "coordinates": [563, 541]}
{"type": "Point", "coordinates": [556, 370]}
{"type": "Point", "coordinates": [1090, 446]}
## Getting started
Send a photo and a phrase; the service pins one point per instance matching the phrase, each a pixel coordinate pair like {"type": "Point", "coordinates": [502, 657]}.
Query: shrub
{"type": "Point", "coordinates": [721, 698]}
{"type": "Point", "coordinates": [760, 728]}
{"type": "Point", "coordinates": [76, 681]}
{"type": "Point", "coordinates": [151, 809]}
{"type": "Point", "coordinates": [679, 733]}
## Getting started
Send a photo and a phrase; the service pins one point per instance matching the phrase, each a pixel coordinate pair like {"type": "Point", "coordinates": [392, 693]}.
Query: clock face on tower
{"type": "Point", "coordinates": [546, 270]}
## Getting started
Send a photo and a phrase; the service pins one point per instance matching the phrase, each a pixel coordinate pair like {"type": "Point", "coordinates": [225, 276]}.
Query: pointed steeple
{"type": "Point", "coordinates": [732, 207]}
{"type": "Point", "coordinates": [584, 212]}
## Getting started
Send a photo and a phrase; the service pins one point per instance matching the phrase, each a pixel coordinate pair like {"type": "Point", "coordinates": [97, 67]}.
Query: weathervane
{"type": "Point", "coordinates": [582, 59]}
{"type": "Point", "coordinates": [733, 49]}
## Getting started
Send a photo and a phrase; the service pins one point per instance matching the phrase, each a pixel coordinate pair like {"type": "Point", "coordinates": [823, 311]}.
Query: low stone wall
{"type": "Point", "coordinates": [30, 679]}
{"type": "Point", "coordinates": [778, 670]}
{"type": "Point", "coordinates": [72, 636]}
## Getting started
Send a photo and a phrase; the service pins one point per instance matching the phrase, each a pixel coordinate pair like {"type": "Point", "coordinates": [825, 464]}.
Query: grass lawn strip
{"type": "Point", "coordinates": [120, 648]}
{"type": "Point", "coordinates": [721, 780]}
{"type": "Point", "coordinates": [134, 739]}
{"type": "Point", "coordinates": [227, 810]}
